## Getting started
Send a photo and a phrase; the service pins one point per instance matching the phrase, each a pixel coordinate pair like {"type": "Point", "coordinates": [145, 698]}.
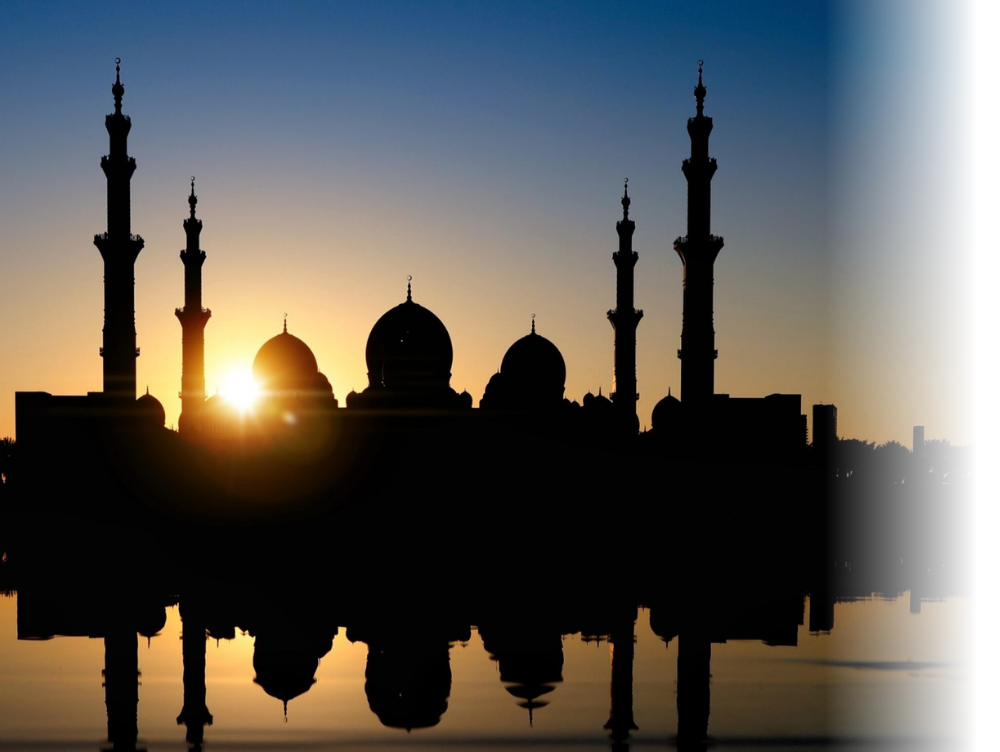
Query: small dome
{"type": "Point", "coordinates": [150, 410]}
{"type": "Point", "coordinates": [534, 368]}
{"type": "Point", "coordinates": [597, 402]}
{"type": "Point", "coordinates": [215, 403]}
{"type": "Point", "coordinates": [666, 411]}
{"type": "Point", "coordinates": [409, 347]}
{"type": "Point", "coordinates": [285, 363]}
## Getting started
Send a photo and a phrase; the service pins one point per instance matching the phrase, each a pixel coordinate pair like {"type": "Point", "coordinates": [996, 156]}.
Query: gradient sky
{"type": "Point", "coordinates": [481, 148]}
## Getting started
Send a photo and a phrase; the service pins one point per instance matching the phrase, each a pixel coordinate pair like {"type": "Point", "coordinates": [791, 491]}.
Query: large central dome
{"type": "Point", "coordinates": [409, 348]}
{"type": "Point", "coordinates": [534, 364]}
{"type": "Point", "coordinates": [285, 363]}
{"type": "Point", "coordinates": [532, 376]}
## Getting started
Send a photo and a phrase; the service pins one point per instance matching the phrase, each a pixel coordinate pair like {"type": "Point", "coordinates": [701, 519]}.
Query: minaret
{"type": "Point", "coordinates": [193, 319]}
{"type": "Point", "coordinates": [698, 251]}
{"type": "Point", "coordinates": [119, 248]}
{"type": "Point", "coordinates": [625, 318]}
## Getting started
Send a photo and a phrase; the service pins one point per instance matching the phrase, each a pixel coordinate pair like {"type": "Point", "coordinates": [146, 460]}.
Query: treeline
{"type": "Point", "coordinates": [937, 462]}
{"type": "Point", "coordinates": [851, 459]}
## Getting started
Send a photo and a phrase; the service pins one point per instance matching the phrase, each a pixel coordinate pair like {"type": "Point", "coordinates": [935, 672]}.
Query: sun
{"type": "Point", "coordinates": [239, 389]}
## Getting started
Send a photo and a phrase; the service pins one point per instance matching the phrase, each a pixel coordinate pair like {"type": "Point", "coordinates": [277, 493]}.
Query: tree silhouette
{"type": "Point", "coordinates": [6, 457]}
{"type": "Point", "coordinates": [892, 462]}
{"type": "Point", "coordinates": [854, 458]}
{"type": "Point", "coordinates": [946, 463]}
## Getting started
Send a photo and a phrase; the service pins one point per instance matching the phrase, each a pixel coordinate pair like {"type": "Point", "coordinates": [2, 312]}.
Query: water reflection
{"type": "Point", "coordinates": [727, 622]}
{"type": "Point", "coordinates": [523, 636]}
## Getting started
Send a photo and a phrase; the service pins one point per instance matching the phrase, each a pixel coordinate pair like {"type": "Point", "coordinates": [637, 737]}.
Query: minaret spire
{"type": "Point", "coordinates": [119, 249]}
{"type": "Point", "coordinates": [193, 319]}
{"type": "Point", "coordinates": [698, 251]}
{"type": "Point", "coordinates": [700, 91]}
{"type": "Point", "coordinates": [624, 319]}
{"type": "Point", "coordinates": [117, 90]}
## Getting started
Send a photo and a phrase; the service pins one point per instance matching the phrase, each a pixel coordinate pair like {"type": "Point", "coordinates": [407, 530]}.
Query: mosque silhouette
{"type": "Point", "coordinates": [301, 443]}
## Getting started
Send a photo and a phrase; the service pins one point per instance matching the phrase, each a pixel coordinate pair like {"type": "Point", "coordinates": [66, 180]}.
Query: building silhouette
{"type": "Point", "coordinates": [193, 319]}
{"type": "Point", "coordinates": [698, 251]}
{"type": "Point", "coordinates": [703, 424]}
{"type": "Point", "coordinates": [532, 377]}
{"type": "Point", "coordinates": [625, 317]}
{"type": "Point", "coordinates": [119, 248]}
{"type": "Point", "coordinates": [409, 356]}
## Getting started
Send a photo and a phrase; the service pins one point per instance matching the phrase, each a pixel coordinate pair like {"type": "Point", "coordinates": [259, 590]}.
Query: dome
{"type": "Point", "coordinates": [409, 347]}
{"type": "Point", "coordinates": [534, 369]}
{"type": "Point", "coordinates": [150, 410]}
{"type": "Point", "coordinates": [284, 363]}
{"type": "Point", "coordinates": [666, 411]}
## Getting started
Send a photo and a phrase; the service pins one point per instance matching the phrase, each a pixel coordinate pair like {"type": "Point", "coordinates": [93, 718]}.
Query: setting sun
{"type": "Point", "coordinates": [240, 389]}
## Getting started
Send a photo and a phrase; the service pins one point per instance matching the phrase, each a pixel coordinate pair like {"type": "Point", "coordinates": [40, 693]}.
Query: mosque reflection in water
{"type": "Point", "coordinates": [409, 612]}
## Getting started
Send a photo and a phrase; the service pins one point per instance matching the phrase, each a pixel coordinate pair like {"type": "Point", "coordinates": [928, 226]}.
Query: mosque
{"type": "Point", "coordinates": [409, 359]}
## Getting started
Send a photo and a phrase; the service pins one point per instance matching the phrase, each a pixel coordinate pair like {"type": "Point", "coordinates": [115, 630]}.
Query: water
{"type": "Point", "coordinates": [494, 615]}
{"type": "Point", "coordinates": [881, 678]}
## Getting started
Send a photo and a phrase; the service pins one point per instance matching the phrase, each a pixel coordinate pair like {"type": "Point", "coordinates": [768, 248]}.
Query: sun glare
{"type": "Point", "coordinates": [240, 390]}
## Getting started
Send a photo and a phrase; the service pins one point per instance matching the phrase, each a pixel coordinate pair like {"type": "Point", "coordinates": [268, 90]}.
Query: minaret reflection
{"type": "Point", "coordinates": [121, 686]}
{"type": "Point", "coordinates": [194, 715]}
{"type": "Point", "coordinates": [694, 676]}
{"type": "Point", "coordinates": [773, 619]}
{"type": "Point", "coordinates": [694, 670]}
{"type": "Point", "coordinates": [621, 721]}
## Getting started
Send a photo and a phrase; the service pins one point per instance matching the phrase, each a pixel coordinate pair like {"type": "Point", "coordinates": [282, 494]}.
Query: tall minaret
{"type": "Point", "coordinates": [193, 319]}
{"type": "Point", "coordinates": [119, 248]}
{"type": "Point", "coordinates": [698, 251]}
{"type": "Point", "coordinates": [625, 317]}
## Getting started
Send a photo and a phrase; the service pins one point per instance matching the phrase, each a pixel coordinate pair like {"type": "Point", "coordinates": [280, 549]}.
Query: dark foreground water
{"type": "Point", "coordinates": [732, 613]}
{"type": "Point", "coordinates": [883, 677]}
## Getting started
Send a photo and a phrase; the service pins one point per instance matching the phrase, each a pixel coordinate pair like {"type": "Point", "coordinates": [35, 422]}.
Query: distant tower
{"type": "Point", "coordinates": [919, 454]}
{"type": "Point", "coordinates": [193, 319]}
{"type": "Point", "coordinates": [698, 251]}
{"type": "Point", "coordinates": [119, 248]}
{"type": "Point", "coordinates": [625, 317]}
{"type": "Point", "coordinates": [824, 425]}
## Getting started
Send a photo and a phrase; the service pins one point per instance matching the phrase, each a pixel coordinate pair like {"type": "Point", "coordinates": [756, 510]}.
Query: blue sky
{"type": "Point", "coordinates": [481, 148]}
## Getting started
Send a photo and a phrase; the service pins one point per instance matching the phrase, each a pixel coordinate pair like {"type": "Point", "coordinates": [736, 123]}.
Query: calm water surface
{"type": "Point", "coordinates": [881, 678]}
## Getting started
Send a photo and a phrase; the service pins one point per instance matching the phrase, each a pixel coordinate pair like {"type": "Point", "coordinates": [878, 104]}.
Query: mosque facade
{"type": "Point", "coordinates": [409, 356]}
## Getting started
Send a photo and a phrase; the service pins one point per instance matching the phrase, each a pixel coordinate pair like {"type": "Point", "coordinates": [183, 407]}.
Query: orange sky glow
{"type": "Point", "coordinates": [325, 181]}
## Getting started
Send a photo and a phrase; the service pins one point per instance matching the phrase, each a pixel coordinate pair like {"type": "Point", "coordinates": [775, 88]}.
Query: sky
{"type": "Point", "coordinates": [481, 149]}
